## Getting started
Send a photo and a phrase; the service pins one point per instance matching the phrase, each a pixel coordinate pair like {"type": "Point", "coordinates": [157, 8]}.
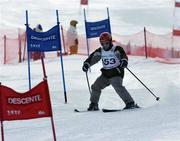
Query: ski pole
{"type": "Point", "coordinates": [88, 83]}
{"type": "Point", "coordinates": [157, 98]}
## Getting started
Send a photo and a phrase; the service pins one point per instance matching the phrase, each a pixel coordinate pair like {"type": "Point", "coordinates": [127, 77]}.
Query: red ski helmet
{"type": "Point", "coordinates": [105, 37]}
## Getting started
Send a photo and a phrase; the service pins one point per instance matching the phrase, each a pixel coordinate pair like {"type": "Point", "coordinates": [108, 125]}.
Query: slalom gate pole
{"type": "Point", "coordinates": [43, 66]}
{"type": "Point", "coordinates": [109, 20]}
{"type": "Point", "coordinates": [1, 116]}
{"type": "Point", "coordinates": [28, 53]}
{"type": "Point", "coordinates": [87, 41]}
{"type": "Point", "coordinates": [2, 131]}
{"type": "Point", "coordinates": [88, 83]}
{"type": "Point", "coordinates": [53, 128]}
{"type": "Point", "coordinates": [61, 59]}
{"type": "Point", "coordinates": [157, 98]}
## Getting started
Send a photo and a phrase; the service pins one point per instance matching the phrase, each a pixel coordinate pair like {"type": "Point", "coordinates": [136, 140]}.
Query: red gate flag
{"type": "Point", "coordinates": [34, 103]}
{"type": "Point", "coordinates": [176, 32]}
{"type": "Point", "coordinates": [177, 4]}
{"type": "Point", "coordinates": [84, 2]}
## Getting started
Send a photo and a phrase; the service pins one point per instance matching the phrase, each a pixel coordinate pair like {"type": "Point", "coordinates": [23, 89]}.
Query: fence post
{"type": "Point", "coordinates": [5, 49]}
{"type": "Point", "coordinates": [19, 42]}
{"type": "Point", "coordinates": [63, 40]}
{"type": "Point", "coordinates": [145, 42]}
{"type": "Point", "coordinates": [24, 46]}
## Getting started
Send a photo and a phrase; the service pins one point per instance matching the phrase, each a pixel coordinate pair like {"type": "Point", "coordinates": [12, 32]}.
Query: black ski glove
{"type": "Point", "coordinates": [85, 67]}
{"type": "Point", "coordinates": [123, 63]}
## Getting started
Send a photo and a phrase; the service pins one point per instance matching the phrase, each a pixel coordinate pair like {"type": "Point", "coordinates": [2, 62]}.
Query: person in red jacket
{"type": "Point", "coordinates": [114, 60]}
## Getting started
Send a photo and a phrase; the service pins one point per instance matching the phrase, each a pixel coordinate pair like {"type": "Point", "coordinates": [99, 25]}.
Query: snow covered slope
{"type": "Point", "coordinates": [156, 121]}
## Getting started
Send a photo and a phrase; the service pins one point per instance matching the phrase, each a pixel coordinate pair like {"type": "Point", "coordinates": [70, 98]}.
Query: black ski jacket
{"type": "Point", "coordinates": [109, 73]}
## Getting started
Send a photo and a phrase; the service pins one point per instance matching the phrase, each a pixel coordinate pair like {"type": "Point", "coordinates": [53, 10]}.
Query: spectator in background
{"type": "Point", "coordinates": [72, 37]}
{"type": "Point", "coordinates": [37, 55]}
{"type": "Point", "coordinates": [38, 28]}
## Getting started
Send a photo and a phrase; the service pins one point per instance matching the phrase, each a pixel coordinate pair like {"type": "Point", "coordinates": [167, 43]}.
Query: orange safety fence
{"type": "Point", "coordinates": [146, 42]}
{"type": "Point", "coordinates": [143, 43]}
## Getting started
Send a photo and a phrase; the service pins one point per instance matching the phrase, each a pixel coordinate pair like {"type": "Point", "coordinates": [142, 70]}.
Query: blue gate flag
{"type": "Point", "coordinates": [43, 41]}
{"type": "Point", "coordinates": [94, 29]}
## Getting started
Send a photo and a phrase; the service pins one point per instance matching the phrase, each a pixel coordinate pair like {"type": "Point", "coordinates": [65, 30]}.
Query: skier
{"type": "Point", "coordinates": [114, 60]}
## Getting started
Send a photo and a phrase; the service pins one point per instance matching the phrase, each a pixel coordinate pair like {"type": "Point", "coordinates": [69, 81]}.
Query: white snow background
{"type": "Point", "coordinates": [155, 121]}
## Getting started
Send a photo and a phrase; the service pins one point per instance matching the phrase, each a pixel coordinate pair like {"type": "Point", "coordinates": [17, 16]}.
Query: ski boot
{"type": "Point", "coordinates": [93, 107]}
{"type": "Point", "coordinates": [131, 105]}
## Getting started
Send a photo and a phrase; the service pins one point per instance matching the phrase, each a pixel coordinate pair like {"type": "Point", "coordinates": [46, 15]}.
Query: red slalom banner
{"type": "Point", "coordinates": [34, 103]}
{"type": "Point", "coordinates": [84, 2]}
{"type": "Point", "coordinates": [176, 32]}
{"type": "Point", "coordinates": [31, 104]}
{"type": "Point", "coordinates": [177, 4]}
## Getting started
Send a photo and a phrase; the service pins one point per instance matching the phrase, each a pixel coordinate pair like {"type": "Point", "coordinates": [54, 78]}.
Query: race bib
{"type": "Point", "coordinates": [109, 59]}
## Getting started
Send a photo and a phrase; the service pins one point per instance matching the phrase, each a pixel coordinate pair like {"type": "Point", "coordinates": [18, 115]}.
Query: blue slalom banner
{"type": "Point", "coordinates": [43, 41]}
{"type": "Point", "coordinates": [94, 29]}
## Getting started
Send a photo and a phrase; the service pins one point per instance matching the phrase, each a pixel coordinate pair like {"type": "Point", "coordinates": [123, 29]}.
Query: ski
{"type": "Point", "coordinates": [80, 111]}
{"type": "Point", "coordinates": [111, 110]}
{"type": "Point", "coordinates": [118, 110]}
{"type": "Point", "coordinates": [105, 110]}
